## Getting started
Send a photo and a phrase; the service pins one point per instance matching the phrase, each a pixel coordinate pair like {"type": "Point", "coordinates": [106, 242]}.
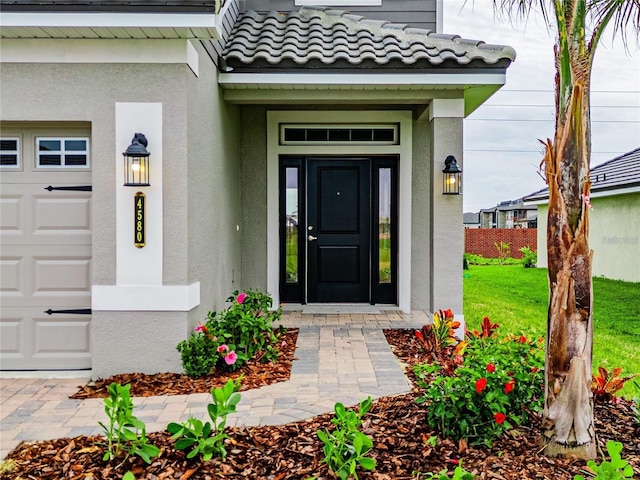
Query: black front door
{"type": "Point", "coordinates": [338, 230]}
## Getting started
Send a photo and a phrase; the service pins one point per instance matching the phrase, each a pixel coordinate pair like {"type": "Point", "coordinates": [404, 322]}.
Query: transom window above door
{"type": "Point", "coordinates": [338, 134]}
{"type": "Point", "coordinates": [55, 152]}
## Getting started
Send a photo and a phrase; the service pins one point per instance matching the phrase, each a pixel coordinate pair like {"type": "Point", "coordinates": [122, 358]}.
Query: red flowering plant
{"type": "Point", "coordinates": [498, 385]}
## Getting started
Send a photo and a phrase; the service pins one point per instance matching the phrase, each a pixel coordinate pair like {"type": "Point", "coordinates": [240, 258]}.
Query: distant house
{"type": "Point", "coordinates": [614, 221]}
{"type": "Point", "coordinates": [509, 214]}
{"type": "Point", "coordinates": [471, 220]}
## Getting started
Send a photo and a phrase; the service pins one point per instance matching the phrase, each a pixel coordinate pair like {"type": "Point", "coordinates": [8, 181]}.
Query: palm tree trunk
{"type": "Point", "coordinates": [568, 413]}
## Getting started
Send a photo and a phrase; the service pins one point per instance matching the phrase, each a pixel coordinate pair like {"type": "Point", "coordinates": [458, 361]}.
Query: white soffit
{"type": "Point", "coordinates": [386, 88]}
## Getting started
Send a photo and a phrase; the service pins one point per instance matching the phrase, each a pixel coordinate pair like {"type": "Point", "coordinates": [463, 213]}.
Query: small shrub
{"type": "Point", "coordinates": [488, 329]}
{"type": "Point", "coordinates": [529, 257]}
{"type": "Point", "coordinates": [246, 326]}
{"type": "Point", "coordinates": [605, 385]}
{"type": "Point", "coordinates": [616, 469]}
{"type": "Point", "coordinates": [125, 433]}
{"type": "Point", "coordinates": [198, 353]}
{"type": "Point", "coordinates": [232, 337]}
{"type": "Point", "coordinates": [458, 474]}
{"type": "Point", "coordinates": [504, 251]}
{"type": "Point", "coordinates": [346, 447]}
{"type": "Point", "coordinates": [497, 385]}
{"type": "Point", "coordinates": [207, 439]}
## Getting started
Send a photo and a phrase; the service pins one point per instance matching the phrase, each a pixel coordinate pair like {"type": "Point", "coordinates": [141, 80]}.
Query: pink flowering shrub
{"type": "Point", "coordinates": [242, 332]}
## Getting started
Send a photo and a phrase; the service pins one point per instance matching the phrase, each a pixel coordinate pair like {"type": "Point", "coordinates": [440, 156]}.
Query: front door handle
{"type": "Point", "coordinates": [311, 238]}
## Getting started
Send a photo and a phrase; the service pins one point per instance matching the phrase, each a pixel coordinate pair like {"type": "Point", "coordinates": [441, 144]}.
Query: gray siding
{"type": "Point", "coordinates": [417, 13]}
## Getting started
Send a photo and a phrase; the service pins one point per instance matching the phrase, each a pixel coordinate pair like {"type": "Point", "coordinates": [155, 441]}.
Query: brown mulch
{"type": "Point", "coordinates": [255, 374]}
{"type": "Point", "coordinates": [293, 451]}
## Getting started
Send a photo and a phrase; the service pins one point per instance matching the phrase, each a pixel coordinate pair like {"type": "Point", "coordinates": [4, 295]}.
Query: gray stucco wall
{"type": "Point", "coordinates": [253, 178]}
{"type": "Point", "coordinates": [420, 217]}
{"type": "Point", "coordinates": [201, 201]}
{"type": "Point", "coordinates": [214, 208]}
{"type": "Point", "coordinates": [88, 92]}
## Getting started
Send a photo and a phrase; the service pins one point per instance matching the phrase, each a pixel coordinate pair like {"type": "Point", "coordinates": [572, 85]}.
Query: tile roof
{"type": "Point", "coordinates": [316, 37]}
{"type": "Point", "coordinates": [615, 174]}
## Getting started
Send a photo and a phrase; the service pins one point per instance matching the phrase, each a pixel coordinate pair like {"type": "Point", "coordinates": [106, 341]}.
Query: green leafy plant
{"type": "Point", "coordinates": [504, 251]}
{"type": "Point", "coordinates": [529, 257]}
{"type": "Point", "coordinates": [497, 385]}
{"type": "Point", "coordinates": [605, 385]}
{"type": "Point", "coordinates": [230, 338]}
{"type": "Point", "coordinates": [125, 433]}
{"type": "Point", "coordinates": [458, 474]}
{"type": "Point", "coordinates": [246, 327]}
{"type": "Point", "coordinates": [616, 469]}
{"type": "Point", "coordinates": [199, 353]}
{"type": "Point", "coordinates": [205, 438]}
{"type": "Point", "coordinates": [345, 448]}
{"type": "Point", "coordinates": [129, 476]}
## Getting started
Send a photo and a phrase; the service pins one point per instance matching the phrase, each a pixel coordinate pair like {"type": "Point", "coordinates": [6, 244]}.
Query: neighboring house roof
{"type": "Point", "coordinates": [508, 205]}
{"type": "Point", "coordinates": [619, 173]}
{"type": "Point", "coordinates": [470, 218]}
{"type": "Point", "coordinates": [322, 38]}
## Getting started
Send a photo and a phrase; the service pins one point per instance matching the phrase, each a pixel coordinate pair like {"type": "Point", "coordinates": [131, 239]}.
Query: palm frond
{"type": "Point", "coordinates": [623, 15]}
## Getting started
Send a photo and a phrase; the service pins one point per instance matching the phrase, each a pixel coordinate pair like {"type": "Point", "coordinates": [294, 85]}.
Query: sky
{"type": "Point", "coordinates": [501, 148]}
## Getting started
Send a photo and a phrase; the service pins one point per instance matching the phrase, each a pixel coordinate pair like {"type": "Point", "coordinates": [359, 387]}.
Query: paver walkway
{"type": "Point", "coordinates": [340, 358]}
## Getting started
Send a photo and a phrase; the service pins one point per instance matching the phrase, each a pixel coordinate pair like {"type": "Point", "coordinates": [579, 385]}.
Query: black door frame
{"type": "Point", "coordinates": [296, 291]}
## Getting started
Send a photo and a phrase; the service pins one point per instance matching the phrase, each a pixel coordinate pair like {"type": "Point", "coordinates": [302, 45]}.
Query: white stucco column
{"type": "Point", "coordinates": [139, 271]}
{"type": "Point", "coordinates": [447, 231]}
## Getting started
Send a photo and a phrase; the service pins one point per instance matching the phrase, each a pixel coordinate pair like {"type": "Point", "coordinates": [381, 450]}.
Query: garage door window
{"type": "Point", "coordinates": [62, 152]}
{"type": "Point", "coordinates": [9, 152]}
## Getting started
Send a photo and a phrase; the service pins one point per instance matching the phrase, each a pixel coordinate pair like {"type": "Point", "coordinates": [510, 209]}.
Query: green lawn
{"type": "Point", "coordinates": [516, 298]}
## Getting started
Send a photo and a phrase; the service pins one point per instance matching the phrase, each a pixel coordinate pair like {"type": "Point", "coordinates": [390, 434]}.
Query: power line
{"type": "Point", "coordinates": [542, 120]}
{"type": "Point", "coordinates": [553, 106]}
{"type": "Point", "coordinates": [528, 151]}
{"type": "Point", "coordinates": [551, 91]}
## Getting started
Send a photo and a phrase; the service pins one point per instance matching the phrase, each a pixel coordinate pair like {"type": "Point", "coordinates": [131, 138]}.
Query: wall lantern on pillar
{"type": "Point", "coordinates": [136, 162]}
{"type": "Point", "coordinates": [452, 177]}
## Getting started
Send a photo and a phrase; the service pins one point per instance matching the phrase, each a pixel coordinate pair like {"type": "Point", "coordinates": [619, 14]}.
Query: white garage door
{"type": "Point", "coordinates": [46, 250]}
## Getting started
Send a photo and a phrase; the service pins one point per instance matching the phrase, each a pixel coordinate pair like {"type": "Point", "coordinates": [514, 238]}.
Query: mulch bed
{"type": "Point", "coordinates": [293, 451]}
{"type": "Point", "coordinates": [255, 374]}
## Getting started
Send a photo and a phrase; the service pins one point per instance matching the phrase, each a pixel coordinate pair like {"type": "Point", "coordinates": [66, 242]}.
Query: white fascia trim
{"type": "Point", "coordinates": [103, 19]}
{"type": "Point", "coordinates": [149, 298]}
{"type": "Point", "coordinates": [388, 79]}
{"type": "Point", "coordinates": [139, 51]}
